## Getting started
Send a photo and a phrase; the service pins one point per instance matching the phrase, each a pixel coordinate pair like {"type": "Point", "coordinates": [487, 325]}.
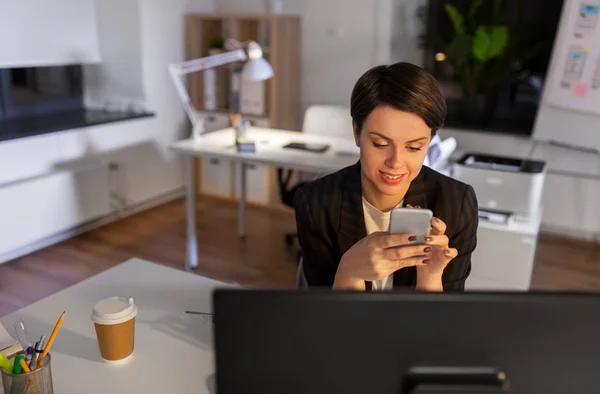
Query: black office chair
{"type": "Point", "coordinates": [287, 193]}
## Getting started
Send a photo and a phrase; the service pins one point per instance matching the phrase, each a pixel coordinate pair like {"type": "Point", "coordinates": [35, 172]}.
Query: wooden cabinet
{"type": "Point", "coordinates": [273, 103]}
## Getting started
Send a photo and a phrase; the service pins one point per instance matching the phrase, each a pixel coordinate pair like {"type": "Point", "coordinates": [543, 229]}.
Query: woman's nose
{"type": "Point", "coordinates": [395, 160]}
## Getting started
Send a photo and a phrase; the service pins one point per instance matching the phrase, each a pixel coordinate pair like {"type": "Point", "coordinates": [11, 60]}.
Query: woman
{"type": "Point", "coordinates": [343, 218]}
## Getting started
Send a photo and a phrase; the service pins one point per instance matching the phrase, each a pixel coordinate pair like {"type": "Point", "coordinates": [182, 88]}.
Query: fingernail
{"type": "Point", "coordinates": [412, 238]}
{"type": "Point", "coordinates": [436, 220]}
{"type": "Point", "coordinates": [428, 239]}
{"type": "Point", "coordinates": [447, 251]}
{"type": "Point", "coordinates": [427, 250]}
{"type": "Point", "coordinates": [426, 261]}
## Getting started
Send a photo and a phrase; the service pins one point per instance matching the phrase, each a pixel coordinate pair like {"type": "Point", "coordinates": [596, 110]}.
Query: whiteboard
{"type": "Point", "coordinates": [569, 111]}
{"type": "Point", "coordinates": [574, 81]}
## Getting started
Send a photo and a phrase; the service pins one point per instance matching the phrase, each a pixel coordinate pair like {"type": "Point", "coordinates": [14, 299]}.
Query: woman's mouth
{"type": "Point", "coordinates": [391, 179]}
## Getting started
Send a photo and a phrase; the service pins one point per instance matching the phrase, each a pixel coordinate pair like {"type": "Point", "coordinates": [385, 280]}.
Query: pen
{"type": "Point", "coordinates": [51, 340]}
{"type": "Point", "coordinates": [29, 354]}
{"type": "Point", "coordinates": [205, 315]}
{"type": "Point", "coordinates": [39, 346]}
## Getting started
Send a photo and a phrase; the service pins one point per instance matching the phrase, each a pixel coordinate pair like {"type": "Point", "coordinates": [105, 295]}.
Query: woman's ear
{"type": "Point", "coordinates": [356, 134]}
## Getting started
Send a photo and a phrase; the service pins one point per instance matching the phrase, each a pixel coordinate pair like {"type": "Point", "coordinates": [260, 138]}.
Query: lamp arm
{"type": "Point", "coordinates": [180, 69]}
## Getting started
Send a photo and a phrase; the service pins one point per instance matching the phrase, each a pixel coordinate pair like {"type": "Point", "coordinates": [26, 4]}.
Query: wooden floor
{"type": "Point", "coordinates": [262, 260]}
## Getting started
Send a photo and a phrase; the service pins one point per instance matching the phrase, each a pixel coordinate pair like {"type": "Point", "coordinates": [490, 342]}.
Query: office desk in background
{"type": "Point", "coordinates": [220, 144]}
{"type": "Point", "coordinates": [173, 352]}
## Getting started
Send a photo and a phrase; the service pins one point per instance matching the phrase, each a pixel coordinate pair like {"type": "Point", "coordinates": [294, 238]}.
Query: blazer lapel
{"type": "Point", "coordinates": [352, 220]}
{"type": "Point", "coordinates": [415, 195]}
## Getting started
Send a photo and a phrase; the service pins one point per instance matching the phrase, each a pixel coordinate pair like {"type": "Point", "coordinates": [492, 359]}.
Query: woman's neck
{"type": "Point", "coordinates": [380, 201]}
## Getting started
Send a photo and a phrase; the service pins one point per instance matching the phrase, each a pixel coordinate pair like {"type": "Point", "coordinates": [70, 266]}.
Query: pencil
{"type": "Point", "coordinates": [25, 366]}
{"type": "Point", "coordinates": [52, 336]}
{"type": "Point", "coordinates": [27, 370]}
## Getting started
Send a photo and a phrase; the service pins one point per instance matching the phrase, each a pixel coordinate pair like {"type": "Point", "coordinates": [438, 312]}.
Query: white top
{"type": "Point", "coordinates": [376, 220]}
{"type": "Point", "coordinates": [173, 352]}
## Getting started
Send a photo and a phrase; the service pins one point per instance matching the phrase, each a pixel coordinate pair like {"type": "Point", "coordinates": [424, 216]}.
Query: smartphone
{"type": "Point", "coordinates": [411, 221]}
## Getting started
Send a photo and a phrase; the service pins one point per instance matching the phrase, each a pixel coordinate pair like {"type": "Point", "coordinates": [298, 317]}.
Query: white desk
{"type": "Point", "coordinates": [173, 352]}
{"type": "Point", "coordinates": [269, 142]}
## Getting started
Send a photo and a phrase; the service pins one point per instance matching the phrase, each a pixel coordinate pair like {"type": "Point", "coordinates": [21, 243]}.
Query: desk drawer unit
{"type": "Point", "coordinates": [504, 258]}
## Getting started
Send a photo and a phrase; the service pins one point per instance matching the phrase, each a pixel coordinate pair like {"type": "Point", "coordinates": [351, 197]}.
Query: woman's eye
{"type": "Point", "coordinates": [413, 149]}
{"type": "Point", "coordinates": [380, 146]}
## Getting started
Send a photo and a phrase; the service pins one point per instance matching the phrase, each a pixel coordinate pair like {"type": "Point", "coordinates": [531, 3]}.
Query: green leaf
{"type": "Point", "coordinates": [481, 44]}
{"type": "Point", "coordinates": [457, 19]}
{"type": "Point", "coordinates": [499, 40]}
{"type": "Point", "coordinates": [489, 42]}
{"type": "Point", "coordinates": [459, 50]}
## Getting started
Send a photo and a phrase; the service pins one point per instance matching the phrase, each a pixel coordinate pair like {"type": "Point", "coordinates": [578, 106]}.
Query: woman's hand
{"type": "Point", "coordinates": [429, 277]}
{"type": "Point", "coordinates": [377, 256]}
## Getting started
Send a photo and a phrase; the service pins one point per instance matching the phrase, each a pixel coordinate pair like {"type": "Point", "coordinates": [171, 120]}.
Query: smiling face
{"type": "Point", "coordinates": [393, 145]}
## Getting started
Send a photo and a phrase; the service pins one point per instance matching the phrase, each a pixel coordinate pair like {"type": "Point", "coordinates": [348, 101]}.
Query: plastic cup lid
{"type": "Point", "coordinates": [114, 310]}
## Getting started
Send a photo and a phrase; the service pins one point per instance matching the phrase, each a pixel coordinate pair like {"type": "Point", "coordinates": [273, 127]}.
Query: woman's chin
{"type": "Point", "coordinates": [391, 190]}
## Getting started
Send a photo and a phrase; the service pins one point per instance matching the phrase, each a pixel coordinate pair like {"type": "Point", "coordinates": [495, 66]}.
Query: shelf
{"type": "Point", "coordinates": [278, 99]}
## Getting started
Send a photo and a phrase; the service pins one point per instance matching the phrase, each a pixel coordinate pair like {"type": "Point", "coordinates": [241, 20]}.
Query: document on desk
{"type": "Point", "coordinates": [8, 345]}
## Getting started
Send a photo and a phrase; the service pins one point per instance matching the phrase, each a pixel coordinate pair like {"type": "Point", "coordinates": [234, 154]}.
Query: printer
{"type": "Point", "coordinates": [503, 185]}
{"type": "Point", "coordinates": [509, 194]}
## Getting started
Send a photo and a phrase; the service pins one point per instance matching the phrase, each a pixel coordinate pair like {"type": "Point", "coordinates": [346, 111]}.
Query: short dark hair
{"type": "Point", "coordinates": [402, 86]}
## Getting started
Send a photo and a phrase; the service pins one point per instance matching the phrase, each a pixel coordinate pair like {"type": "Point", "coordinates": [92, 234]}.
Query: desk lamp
{"type": "Point", "coordinates": [256, 68]}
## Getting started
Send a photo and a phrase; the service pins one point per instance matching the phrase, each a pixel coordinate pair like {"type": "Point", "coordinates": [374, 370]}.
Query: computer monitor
{"type": "Point", "coordinates": [326, 342]}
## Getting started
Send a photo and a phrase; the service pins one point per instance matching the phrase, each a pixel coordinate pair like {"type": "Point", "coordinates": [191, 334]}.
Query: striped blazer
{"type": "Point", "coordinates": [330, 219]}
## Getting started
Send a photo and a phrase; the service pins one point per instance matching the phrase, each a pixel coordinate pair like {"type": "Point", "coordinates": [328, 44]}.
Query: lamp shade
{"type": "Point", "coordinates": [257, 70]}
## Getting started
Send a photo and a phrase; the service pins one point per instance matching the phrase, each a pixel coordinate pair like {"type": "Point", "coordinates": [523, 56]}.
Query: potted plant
{"type": "Point", "coordinates": [476, 53]}
{"type": "Point", "coordinates": [485, 56]}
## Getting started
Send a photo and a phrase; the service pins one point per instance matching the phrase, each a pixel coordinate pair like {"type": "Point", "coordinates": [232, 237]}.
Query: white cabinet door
{"type": "Point", "coordinates": [504, 257]}
{"type": "Point", "coordinates": [215, 176]}
{"type": "Point", "coordinates": [257, 183]}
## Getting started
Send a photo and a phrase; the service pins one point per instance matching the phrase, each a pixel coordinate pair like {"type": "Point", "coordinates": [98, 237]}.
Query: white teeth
{"type": "Point", "coordinates": [392, 177]}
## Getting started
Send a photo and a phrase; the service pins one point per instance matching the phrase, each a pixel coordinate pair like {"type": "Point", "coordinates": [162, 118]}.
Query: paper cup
{"type": "Point", "coordinates": [114, 319]}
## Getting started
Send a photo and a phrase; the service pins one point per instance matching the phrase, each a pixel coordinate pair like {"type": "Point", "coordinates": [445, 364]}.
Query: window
{"type": "Point", "coordinates": [40, 90]}
{"type": "Point", "coordinates": [495, 87]}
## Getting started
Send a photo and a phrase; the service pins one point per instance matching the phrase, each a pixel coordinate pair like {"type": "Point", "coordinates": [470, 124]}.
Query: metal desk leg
{"type": "Point", "coordinates": [242, 202]}
{"type": "Point", "coordinates": [191, 260]}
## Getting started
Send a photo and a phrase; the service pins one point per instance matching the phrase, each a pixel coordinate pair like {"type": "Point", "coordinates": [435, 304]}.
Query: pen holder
{"type": "Point", "coordinates": [38, 381]}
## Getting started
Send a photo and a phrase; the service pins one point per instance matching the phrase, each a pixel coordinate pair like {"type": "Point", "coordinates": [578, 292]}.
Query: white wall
{"type": "Point", "coordinates": [406, 28]}
{"type": "Point", "coordinates": [150, 36]}
{"type": "Point", "coordinates": [341, 39]}
{"type": "Point", "coordinates": [41, 32]}
{"type": "Point", "coordinates": [117, 81]}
